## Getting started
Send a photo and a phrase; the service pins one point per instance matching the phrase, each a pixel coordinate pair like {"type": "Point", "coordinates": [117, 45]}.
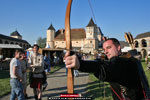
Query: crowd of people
{"type": "Point", "coordinates": [37, 65]}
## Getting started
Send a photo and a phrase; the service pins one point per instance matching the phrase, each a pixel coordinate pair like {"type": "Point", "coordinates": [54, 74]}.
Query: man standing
{"type": "Point", "coordinates": [36, 61]}
{"type": "Point", "coordinates": [24, 66]}
{"type": "Point", "coordinates": [122, 73]}
{"type": "Point", "coordinates": [16, 78]}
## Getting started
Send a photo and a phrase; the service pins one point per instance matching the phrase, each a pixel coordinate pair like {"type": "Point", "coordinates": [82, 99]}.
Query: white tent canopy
{"type": "Point", "coordinates": [47, 46]}
{"type": "Point", "coordinates": [126, 49]}
{"type": "Point", "coordinates": [11, 46]}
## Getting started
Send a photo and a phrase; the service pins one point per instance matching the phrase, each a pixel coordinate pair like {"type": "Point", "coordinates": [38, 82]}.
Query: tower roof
{"type": "Point", "coordinates": [15, 33]}
{"type": "Point", "coordinates": [51, 27]}
{"type": "Point", "coordinates": [91, 23]}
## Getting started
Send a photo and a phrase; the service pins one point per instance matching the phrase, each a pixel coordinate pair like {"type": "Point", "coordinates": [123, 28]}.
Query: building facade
{"type": "Point", "coordinates": [142, 43]}
{"type": "Point", "coordinates": [86, 40]}
{"type": "Point", "coordinates": [8, 44]}
{"type": "Point", "coordinates": [14, 38]}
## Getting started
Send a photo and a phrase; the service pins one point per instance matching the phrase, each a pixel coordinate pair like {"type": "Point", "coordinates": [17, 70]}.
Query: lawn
{"type": "Point", "coordinates": [96, 88]}
{"type": "Point", "coordinates": [4, 80]}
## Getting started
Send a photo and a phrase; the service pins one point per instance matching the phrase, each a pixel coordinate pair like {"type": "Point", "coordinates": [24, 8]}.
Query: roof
{"type": "Point", "coordinates": [78, 33]}
{"type": "Point", "coordinates": [124, 44]}
{"type": "Point", "coordinates": [51, 27]}
{"type": "Point", "coordinates": [143, 35]}
{"type": "Point", "coordinates": [12, 39]}
{"type": "Point", "coordinates": [15, 34]}
{"type": "Point", "coordinates": [91, 23]}
{"type": "Point", "coordinates": [10, 46]}
{"type": "Point", "coordinates": [100, 31]}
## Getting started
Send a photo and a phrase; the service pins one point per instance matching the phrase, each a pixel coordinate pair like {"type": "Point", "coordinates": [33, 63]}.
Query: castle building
{"type": "Point", "coordinates": [86, 40]}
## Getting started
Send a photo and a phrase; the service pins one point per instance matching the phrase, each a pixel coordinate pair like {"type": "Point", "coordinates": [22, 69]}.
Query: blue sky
{"type": "Point", "coordinates": [32, 17]}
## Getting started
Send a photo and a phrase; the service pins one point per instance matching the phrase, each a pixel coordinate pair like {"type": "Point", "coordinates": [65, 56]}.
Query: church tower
{"type": "Point", "coordinates": [91, 30]}
{"type": "Point", "coordinates": [91, 36]}
{"type": "Point", "coordinates": [50, 36]}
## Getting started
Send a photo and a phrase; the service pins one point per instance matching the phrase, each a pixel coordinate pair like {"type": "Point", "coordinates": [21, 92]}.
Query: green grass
{"type": "Point", "coordinates": [5, 78]}
{"type": "Point", "coordinates": [55, 68]}
{"type": "Point", "coordinates": [4, 82]}
{"type": "Point", "coordinates": [96, 90]}
{"type": "Point", "coordinates": [147, 72]}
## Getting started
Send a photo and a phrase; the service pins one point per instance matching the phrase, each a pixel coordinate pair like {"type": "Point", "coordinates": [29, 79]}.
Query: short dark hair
{"type": "Point", "coordinates": [36, 46]}
{"type": "Point", "coordinates": [18, 50]}
{"type": "Point", "coordinates": [115, 41]}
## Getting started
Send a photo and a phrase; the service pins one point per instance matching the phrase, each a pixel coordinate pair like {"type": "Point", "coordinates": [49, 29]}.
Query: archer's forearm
{"type": "Point", "coordinates": [89, 66]}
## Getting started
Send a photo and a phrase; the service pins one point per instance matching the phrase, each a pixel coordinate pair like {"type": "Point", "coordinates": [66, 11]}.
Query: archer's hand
{"type": "Point", "coordinates": [71, 61]}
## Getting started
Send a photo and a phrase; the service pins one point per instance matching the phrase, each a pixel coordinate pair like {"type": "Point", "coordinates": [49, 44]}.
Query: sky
{"type": "Point", "coordinates": [31, 18]}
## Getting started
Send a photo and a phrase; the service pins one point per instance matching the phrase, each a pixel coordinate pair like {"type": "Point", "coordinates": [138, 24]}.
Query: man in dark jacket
{"type": "Point", "coordinates": [120, 72]}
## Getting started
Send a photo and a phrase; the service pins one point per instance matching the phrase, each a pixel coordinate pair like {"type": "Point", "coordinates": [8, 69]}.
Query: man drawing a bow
{"type": "Point", "coordinates": [120, 72]}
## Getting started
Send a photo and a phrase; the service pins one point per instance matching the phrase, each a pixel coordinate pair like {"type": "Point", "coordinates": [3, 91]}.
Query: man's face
{"type": "Point", "coordinates": [18, 55]}
{"type": "Point", "coordinates": [35, 49]}
{"type": "Point", "coordinates": [22, 56]}
{"type": "Point", "coordinates": [110, 49]}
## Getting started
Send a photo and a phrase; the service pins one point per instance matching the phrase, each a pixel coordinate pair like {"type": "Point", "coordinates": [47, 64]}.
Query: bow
{"type": "Point", "coordinates": [70, 77]}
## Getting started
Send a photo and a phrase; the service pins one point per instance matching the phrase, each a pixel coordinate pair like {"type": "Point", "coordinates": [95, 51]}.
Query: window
{"type": "Point", "coordinates": [20, 44]}
{"type": "Point", "coordinates": [1, 41]}
{"type": "Point", "coordinates": [90, 41]}
{"type": "Point", "coordinates": [144, 44]}
{"type": "Point", "coordinates": [11, 43]}
{"type": "Point", "coordinates": [6, 42]}
{"type": "Point", "coordinates": [136, 44]}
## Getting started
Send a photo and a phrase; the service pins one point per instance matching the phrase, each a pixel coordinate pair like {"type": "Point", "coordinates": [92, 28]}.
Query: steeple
{"type": "Point", "coordinates": [51, 27]}
{"type": "Point", "coordinates": [91, 23]}
{"type": "Point", "coordinates": [16, 34]}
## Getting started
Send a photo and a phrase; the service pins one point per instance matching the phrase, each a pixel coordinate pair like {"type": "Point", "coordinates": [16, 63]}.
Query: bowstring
{"type": "Point", "coordinates": [92, 10]}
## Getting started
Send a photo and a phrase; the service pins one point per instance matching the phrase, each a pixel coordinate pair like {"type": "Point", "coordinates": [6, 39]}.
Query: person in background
{"type": "Point", "coordinates": [47, 63]}
{"type": "Point", "coordinates": [47, 69]}
{"type": "Point", "coordinates": [146, 59]}
{"type": "Point", "coordinates": [122, 73]}
{"type": "Point", "coordinates": [16, 78]}
{"type": "Point", "coordinates": [36, 61]}
{"type": "Point", "coordinates": [24, 67]}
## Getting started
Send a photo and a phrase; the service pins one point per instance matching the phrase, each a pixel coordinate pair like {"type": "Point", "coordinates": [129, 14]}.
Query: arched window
{"type": "Point", "coordinates": [136, 44]}
{"type": "Point", "coordinates": [20, 45]}
{"type": "Point", "coordinates": [11, 42]}
{"type": "Point", "coordinates": [144, 43]}
{"type": "Point", "coordinates": [24, 46]}
{"type": "Point", "coordinates": [1, 42]}
{"type": "Point", "coordinates": [6, 42]}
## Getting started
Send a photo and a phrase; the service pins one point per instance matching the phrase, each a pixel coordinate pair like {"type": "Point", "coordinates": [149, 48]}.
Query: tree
{"type": "Point", "coordinates": [41, 42]}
